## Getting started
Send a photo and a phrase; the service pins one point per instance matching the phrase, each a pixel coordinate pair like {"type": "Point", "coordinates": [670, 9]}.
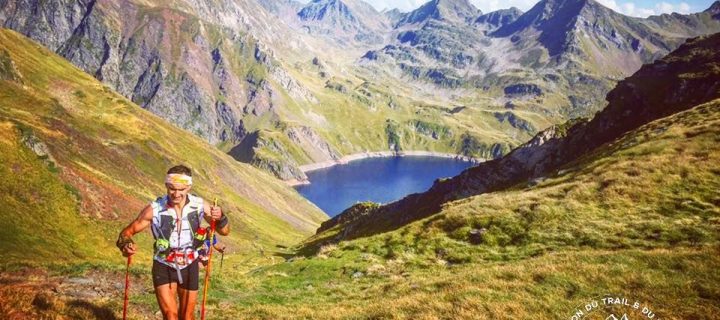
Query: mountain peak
{"type": "Point", "coordinates": [457, 5]}
{"type": "Point", "coordinates": [500, 17]}
{"type": "Point", "coordinates": [320, 9]}
{"type": "Point", "coordinates": [714, 8]}
{"type": "Point", "coordinates": [345, 21]}
{"type": "Point", "coordinates": [552, 14]}
{"type": "Point", "coordinates": [452, 10]}
{"type": "Point", "coordinates": [551, 7]}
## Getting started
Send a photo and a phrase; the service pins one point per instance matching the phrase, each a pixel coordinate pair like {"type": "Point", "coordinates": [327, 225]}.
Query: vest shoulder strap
{"type": "Point", "coordinates": [196, 212]}
{"type": "Point", "coordinates": [162, 221]}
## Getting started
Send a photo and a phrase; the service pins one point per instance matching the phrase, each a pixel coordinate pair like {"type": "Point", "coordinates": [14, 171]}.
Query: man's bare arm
{"type": "Point", "coordinates": [142, 221]}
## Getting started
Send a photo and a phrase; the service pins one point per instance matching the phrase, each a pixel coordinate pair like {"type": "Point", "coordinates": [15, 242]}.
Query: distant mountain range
{"type": "Point", "coordinates": [276, 83]}
{"type": "Point", "coordinates": [568, 53]}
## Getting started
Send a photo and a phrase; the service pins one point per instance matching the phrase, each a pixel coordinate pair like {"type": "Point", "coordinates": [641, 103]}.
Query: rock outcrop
{"type": "Point", "coordinates": [8, 70]}
{"type": "Point", "coordinates": [497, 19]}
{"type": "Point", "coordinates": [312, 143]}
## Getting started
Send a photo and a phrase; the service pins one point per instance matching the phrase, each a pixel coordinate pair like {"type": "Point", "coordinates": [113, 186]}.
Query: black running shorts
{"type": "Point", "coordinates": [163, 274]}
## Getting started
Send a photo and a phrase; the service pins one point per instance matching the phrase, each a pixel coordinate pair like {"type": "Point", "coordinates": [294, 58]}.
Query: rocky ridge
{"type": "Point", "coordinates": [348, 22]}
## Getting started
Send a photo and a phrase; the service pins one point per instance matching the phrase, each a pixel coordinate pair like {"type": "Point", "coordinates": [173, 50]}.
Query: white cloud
{"type": "Point", "coordinates": [664, 7]}
{"type": "Point", "coordinates": [493, 5]}
{"type": "Point", "coordinates": [630, 9]}
{"type": "Point", "coordinates": [683, 7]}
{"type": "Point", "coordinates": [610, 4]}
{"type": "Point", "coordinates": [403, 5]}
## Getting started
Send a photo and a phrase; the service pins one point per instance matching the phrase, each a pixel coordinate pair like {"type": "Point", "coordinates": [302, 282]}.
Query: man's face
{"type": "Point", "coordinates": [177, 193]}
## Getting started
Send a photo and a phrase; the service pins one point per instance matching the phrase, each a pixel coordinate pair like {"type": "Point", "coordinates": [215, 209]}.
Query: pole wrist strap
{"type": "Point", "coordinates": [222, 222]}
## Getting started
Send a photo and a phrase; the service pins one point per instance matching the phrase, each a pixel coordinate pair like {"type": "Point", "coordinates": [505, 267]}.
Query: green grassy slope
{"type": "Point", "coordinates": [79, 161]}
{"type": "Point", "coordinates": [639, 218]}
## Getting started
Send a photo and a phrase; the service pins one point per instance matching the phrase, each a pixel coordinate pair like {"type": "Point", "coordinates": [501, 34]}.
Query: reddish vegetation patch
{"type": "Point", "coordinates": [172, 21]}
{"type": "Point", "coordinates": [99, 198]}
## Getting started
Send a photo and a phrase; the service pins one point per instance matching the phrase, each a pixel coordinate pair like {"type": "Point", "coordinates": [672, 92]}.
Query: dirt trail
{"type": "Point", "coordinates": [37, 294]}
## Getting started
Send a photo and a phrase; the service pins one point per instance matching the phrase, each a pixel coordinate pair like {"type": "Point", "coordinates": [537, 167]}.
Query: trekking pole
{"type": "Point", "coordinates": [127, 286]}
{"type": "Point", "coordinates": [207, 269]}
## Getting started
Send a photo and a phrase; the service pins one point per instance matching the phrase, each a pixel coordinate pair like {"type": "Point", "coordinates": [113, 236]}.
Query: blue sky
{"type": "Point", "coordinates": [637, 8]}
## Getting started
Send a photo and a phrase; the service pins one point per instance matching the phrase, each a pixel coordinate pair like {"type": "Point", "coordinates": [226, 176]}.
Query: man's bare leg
{"type": "Point", "coordinates": [165, 295]}
{"type": "Point", "coordinates": [188, 298]}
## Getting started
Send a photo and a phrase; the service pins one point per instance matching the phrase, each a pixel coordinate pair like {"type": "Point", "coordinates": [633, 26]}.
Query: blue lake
{"type": "Point", "coordinates": [382, 180]}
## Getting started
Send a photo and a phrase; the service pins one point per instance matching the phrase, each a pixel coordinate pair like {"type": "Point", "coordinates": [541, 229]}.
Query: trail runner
{"type": "Point", "coordinates": [179, 239]}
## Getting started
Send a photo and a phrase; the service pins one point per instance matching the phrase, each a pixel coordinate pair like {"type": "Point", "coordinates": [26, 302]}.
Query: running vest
{"type": "Point", "coordinates": [169, 237]}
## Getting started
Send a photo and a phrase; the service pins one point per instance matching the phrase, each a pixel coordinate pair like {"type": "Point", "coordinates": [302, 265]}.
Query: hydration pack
{"type": "Point", "coordinates": [164, 226]}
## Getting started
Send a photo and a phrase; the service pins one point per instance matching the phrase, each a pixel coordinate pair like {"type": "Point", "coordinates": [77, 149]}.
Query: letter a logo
{"type": "Point", "coordinates": [613, 317]}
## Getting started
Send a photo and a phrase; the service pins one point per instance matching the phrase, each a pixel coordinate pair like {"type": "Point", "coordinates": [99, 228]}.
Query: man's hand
{"type": "Point", "coordinates": [126, 245]}
{"type": "Point", "coordinates": [220, 247]}
{"type": "Point", "coordinates": [215, 213]}
{"type": "Point", "coordinates": [129, 249]}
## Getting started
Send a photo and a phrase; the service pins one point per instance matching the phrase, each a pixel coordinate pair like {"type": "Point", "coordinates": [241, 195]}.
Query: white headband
{"type": "Point", "coordinates": [178, 178]}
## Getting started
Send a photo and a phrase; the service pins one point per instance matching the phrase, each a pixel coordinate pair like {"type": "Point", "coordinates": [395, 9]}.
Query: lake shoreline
{"type": "Point", "coordinates": [376, 154]}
